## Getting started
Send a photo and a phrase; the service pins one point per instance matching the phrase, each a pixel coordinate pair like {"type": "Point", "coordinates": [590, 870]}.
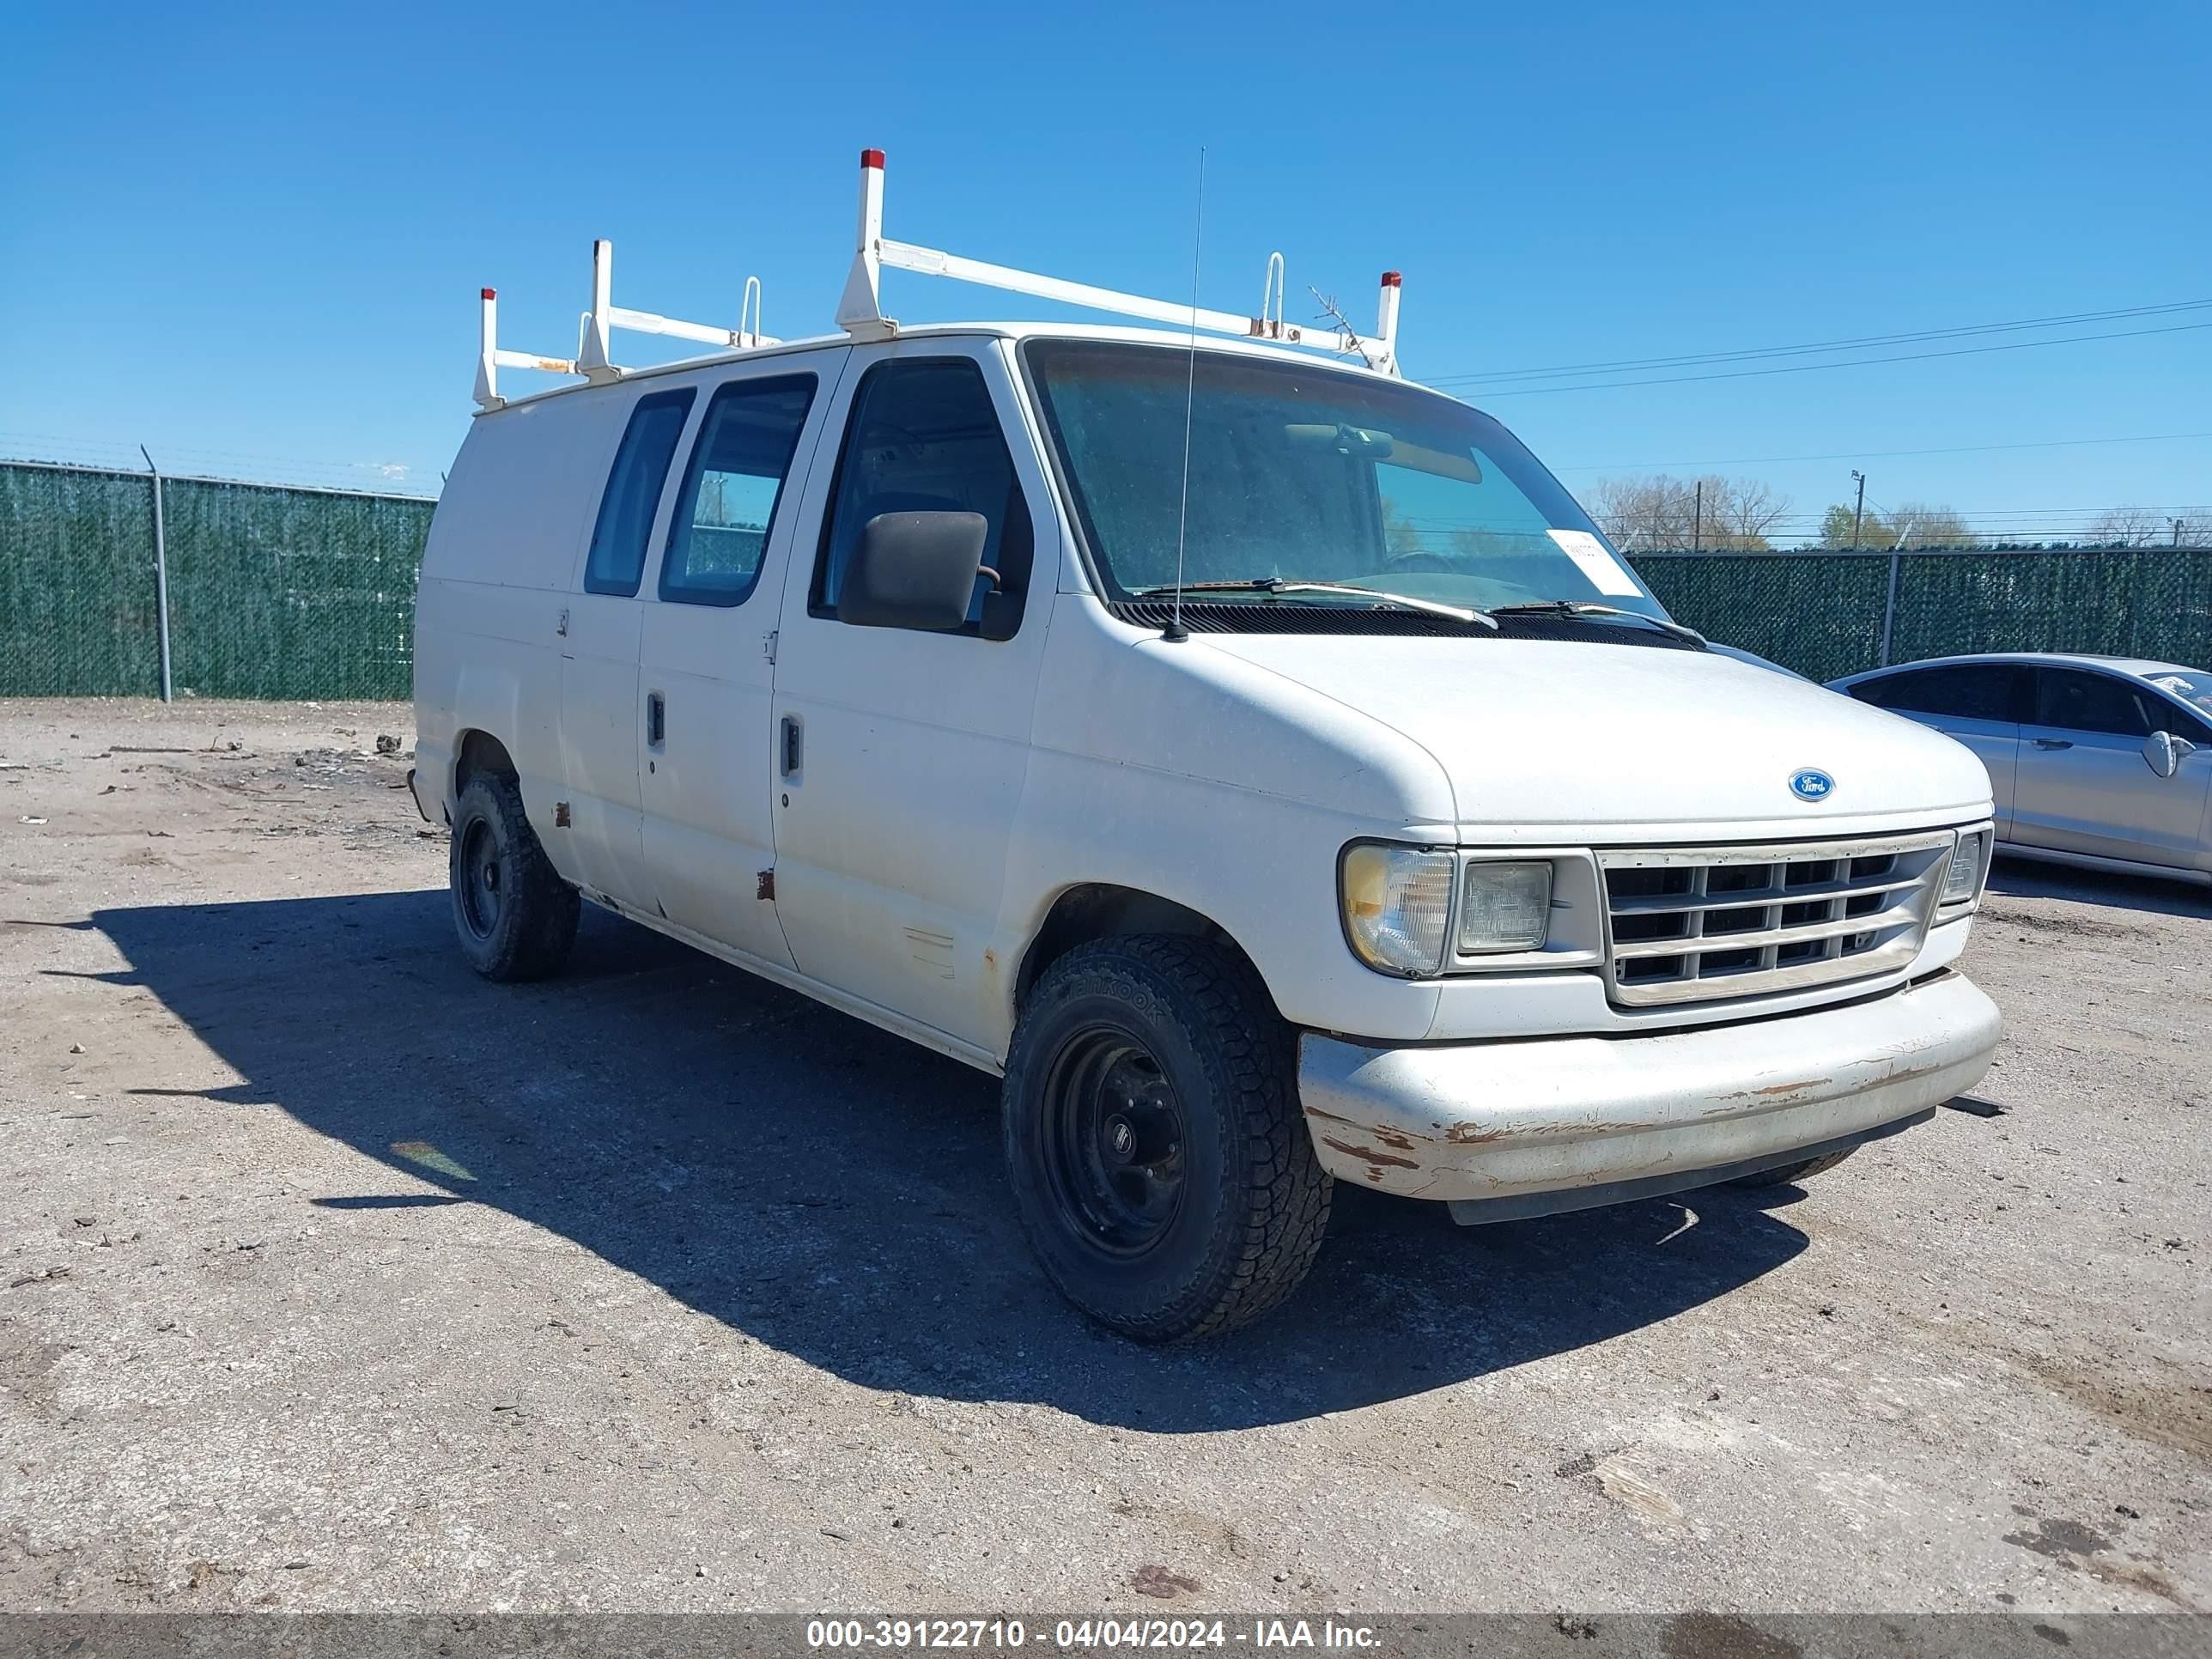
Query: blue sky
{"type": "Point", "coordinates": [251, 238]}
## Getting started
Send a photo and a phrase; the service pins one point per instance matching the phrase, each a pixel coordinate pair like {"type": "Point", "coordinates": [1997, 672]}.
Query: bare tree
{"type": "Point", "coordinates": [1662, 512]}
{"type": "Point", "coordinates": [1749, 508]}
{"type": "Point", "coordinates": [2138, 526]}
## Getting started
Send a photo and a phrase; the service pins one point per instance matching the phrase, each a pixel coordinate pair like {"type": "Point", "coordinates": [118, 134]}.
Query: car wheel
{"type": "Point", "coordinates": [515, 916]}
{"type": "Point", "coordinates": [1163, 1173]}
{"type": "Point", "coordinates": [1787, 1173]}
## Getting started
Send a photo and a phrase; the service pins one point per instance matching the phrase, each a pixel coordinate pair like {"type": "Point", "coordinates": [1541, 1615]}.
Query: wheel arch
{"type": "Point", "coordinates": [1092, 910]}
{"type": "Point", "coordinates": [477, 750]}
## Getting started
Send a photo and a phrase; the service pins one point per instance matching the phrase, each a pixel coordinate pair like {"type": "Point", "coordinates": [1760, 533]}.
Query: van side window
{"type": "Point", "coordinates": [633, 493]}
{"type": "Point", "coordinates": [730, 488]}
{"type": "Point", "coordinates": [924, 437]}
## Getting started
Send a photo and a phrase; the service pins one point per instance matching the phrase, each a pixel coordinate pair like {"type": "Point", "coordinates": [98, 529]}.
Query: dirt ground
{"type": "Point", "coordinates": [337, 1278]}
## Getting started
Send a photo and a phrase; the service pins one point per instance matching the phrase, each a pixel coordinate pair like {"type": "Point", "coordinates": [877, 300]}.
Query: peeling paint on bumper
{"type": "Point", "coordinates": [1473, 1121]}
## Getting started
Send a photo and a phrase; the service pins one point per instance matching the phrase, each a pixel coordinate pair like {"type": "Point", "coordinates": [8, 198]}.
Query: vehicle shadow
{"type": "Point", "coordinates": [834, 1191]}
{"type": "Point", "coordinates": [2017, 878]}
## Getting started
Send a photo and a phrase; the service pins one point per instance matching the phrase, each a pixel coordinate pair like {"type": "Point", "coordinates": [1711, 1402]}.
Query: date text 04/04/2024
{"type": "Point", "coordinates": [1081, 1635]}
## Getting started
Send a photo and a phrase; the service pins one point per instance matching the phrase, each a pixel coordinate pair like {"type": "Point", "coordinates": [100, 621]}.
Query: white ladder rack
{"type": "Point", "coordinates": [860, 314]}
{"type": "Point", "coordinates": [591, 360]}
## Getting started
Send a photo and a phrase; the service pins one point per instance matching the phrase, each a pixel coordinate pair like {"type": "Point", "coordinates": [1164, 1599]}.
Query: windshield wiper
{"type": "Point", "coordinates": [1278, 585]}
{"type": "Point", "coordinates": [1591, 608]}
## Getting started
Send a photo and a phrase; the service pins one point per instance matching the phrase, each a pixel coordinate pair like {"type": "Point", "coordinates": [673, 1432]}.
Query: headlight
{"type": "Point", "coordinates": [1505, 907]}
{"type": "Point", "coordinates": [1396, 903]}
{"type": "Point", "coordinates": [1965, 875]}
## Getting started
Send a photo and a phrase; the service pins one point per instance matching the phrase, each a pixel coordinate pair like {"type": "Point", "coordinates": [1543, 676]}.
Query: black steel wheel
{"type": "Point", "coordinates": [1162, 1169]}
{"type": "Point", "coordinates": [478, 859]}
{"type": "Point", "coordinates": [513, 914]}
{"type": "Point", "coordinates": [1114, 1140]}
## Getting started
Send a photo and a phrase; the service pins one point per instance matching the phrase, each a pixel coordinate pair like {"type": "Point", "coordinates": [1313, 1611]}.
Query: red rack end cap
{"type": "Point", "coordinates": [873, 158]}
{"type": "Point", "coordinates": [1391, 279]}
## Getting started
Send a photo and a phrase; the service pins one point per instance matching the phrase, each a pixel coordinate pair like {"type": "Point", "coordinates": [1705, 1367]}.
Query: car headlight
{"type": "Point", "coordinates": [1963, 878]}
{"type": "Point", "coordinates": [1396, 903]}
{"type": "Point", "coordinates": [1505, 907]}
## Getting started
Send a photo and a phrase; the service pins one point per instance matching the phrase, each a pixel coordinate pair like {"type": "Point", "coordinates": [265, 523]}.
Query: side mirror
{"type": "Point", "coordinates": [2165, 752]}
{"type": "Point", "coordinates": [913, 570]}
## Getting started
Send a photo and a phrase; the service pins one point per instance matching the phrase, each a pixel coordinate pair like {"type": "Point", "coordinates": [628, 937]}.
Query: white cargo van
{"type": "Point", "coordinates": [1259, 762]}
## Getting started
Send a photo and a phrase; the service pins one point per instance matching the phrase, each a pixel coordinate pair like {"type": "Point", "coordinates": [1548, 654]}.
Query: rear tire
{"type": "Point", "coordinates": [1163, 1173]}
{"type": "Point", "coordinates": [515, 916]}
{"type": "Point", "coordinates": [1787, 1173]}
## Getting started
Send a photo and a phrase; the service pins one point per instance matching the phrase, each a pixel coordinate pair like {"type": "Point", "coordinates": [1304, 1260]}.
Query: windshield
{"type": "Point", "coordinates": [1302, 474]}
{"type": "Point", "coordinates": [2192, 686]}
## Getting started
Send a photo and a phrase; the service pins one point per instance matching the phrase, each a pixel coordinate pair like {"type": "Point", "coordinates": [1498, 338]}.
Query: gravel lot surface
{"type": "Point", "coordinates": [335, 1278]}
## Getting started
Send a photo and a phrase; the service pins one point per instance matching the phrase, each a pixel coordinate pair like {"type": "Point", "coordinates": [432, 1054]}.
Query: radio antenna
{"type": "Point", "coordinates": [1173, 633]}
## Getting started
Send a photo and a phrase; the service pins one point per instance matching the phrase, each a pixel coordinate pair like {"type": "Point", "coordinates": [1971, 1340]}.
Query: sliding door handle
{"type": "Point", "coordinates": [786, 748]}
{"type": "Point", "coordinates": [656, 719]}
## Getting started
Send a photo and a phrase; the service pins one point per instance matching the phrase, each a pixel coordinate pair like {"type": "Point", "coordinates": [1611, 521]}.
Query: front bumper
{"type": "Point", "coordinates": [1536, 1125]}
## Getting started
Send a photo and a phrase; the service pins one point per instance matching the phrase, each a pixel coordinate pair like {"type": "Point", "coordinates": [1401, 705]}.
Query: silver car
{"type": "Point", "coordinates": [2102, 762]}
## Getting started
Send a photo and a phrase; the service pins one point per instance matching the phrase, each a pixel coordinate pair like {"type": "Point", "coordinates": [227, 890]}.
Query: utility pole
{"type": "Point", "coordinates": [1697, 519]}
{"type": "Point", "coordinates": [2176, 532]}
{"type": "Point", "coordinates": [1858, 511]}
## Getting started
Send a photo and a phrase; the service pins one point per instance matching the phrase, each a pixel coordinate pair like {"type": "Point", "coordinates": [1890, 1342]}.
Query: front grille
{"type": "Point", "coordinates": [1692, 924]}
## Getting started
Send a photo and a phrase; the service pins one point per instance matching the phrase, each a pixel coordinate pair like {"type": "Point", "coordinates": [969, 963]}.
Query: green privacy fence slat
{"type": "Point", "coordinates": [2128, 602]}
{"type": "Point", "coordinates": [273, 591]}
{"type": "Point", "coordinates": [76, 584]}
{"type": "Point", "coordinates": [291, 592]}
{"type": "Point", "coordinates": [286, 592]}
{"type": "Point", "coordinates": [1821, 613]}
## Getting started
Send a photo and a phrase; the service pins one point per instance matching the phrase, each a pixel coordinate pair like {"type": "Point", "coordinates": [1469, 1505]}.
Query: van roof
{"type": "Point", "coordinates": [1016, 331]}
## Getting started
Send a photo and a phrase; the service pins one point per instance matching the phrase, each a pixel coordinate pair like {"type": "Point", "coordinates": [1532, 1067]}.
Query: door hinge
{"type": "Point", "coordinates": [561, 628]}
{"type": "Point", "coordinates": [767, 644]}
{"type": "Point", "coordinates": [767, 888]}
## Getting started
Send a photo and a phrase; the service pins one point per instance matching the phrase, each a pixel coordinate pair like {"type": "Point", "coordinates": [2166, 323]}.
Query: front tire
{"type": "Point", "coordinates": [1164, 1174]}
{"type": "Point", "coordinates": [515, 916]}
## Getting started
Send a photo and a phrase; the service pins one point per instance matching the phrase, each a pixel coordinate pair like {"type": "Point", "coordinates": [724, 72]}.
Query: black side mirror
{"type": "Point", "coordinates": [913, 570]}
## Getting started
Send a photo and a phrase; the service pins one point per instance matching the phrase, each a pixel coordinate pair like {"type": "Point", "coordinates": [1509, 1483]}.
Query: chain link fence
{"type": "Point", "coordinates": [1829, 614]}
{"type": "Point", "coordinates": [274, 591]}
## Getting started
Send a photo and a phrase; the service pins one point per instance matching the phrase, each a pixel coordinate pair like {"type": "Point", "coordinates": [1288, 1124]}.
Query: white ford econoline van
{"type": "Point", "coordinates": [1332, 804]}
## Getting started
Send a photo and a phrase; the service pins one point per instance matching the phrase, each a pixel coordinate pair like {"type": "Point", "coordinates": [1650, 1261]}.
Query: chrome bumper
{"type": "Point", "coordinates": [1554, 1123]}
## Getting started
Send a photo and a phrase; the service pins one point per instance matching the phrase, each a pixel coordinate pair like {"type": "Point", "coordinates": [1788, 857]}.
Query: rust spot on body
{"type": "Point", "coordinates": [1917, 1070]}
{"type": "Point", "coordinates": [1471, 1134]}
{"type": "Point", "coordinates": [1369, 1155]}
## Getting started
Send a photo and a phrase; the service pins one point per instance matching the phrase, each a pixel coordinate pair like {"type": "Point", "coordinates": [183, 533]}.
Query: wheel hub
{"type": "Point", "coordinates": [480, 878]}
{"type": "Point", "coordinates": [1114, 1142]}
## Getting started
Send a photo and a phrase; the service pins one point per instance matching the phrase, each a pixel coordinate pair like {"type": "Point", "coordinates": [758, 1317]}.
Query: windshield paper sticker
{"type": "Point", "coordinates": [1594, 560]}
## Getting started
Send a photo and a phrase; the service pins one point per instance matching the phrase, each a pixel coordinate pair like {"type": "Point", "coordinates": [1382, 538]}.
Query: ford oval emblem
{"type": "Point", "coordinates": [1809, 783]}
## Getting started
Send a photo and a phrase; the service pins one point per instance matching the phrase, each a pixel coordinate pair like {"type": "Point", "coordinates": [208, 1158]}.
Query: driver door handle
{"type": "Point", "coordinates": [2054, 743]}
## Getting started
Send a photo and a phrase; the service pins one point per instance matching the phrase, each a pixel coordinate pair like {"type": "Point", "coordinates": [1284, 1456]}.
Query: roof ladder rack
{"type": "Point", "coordinates": [591, 360]}
{"type": "Point", "coordinates": [860, 314]}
